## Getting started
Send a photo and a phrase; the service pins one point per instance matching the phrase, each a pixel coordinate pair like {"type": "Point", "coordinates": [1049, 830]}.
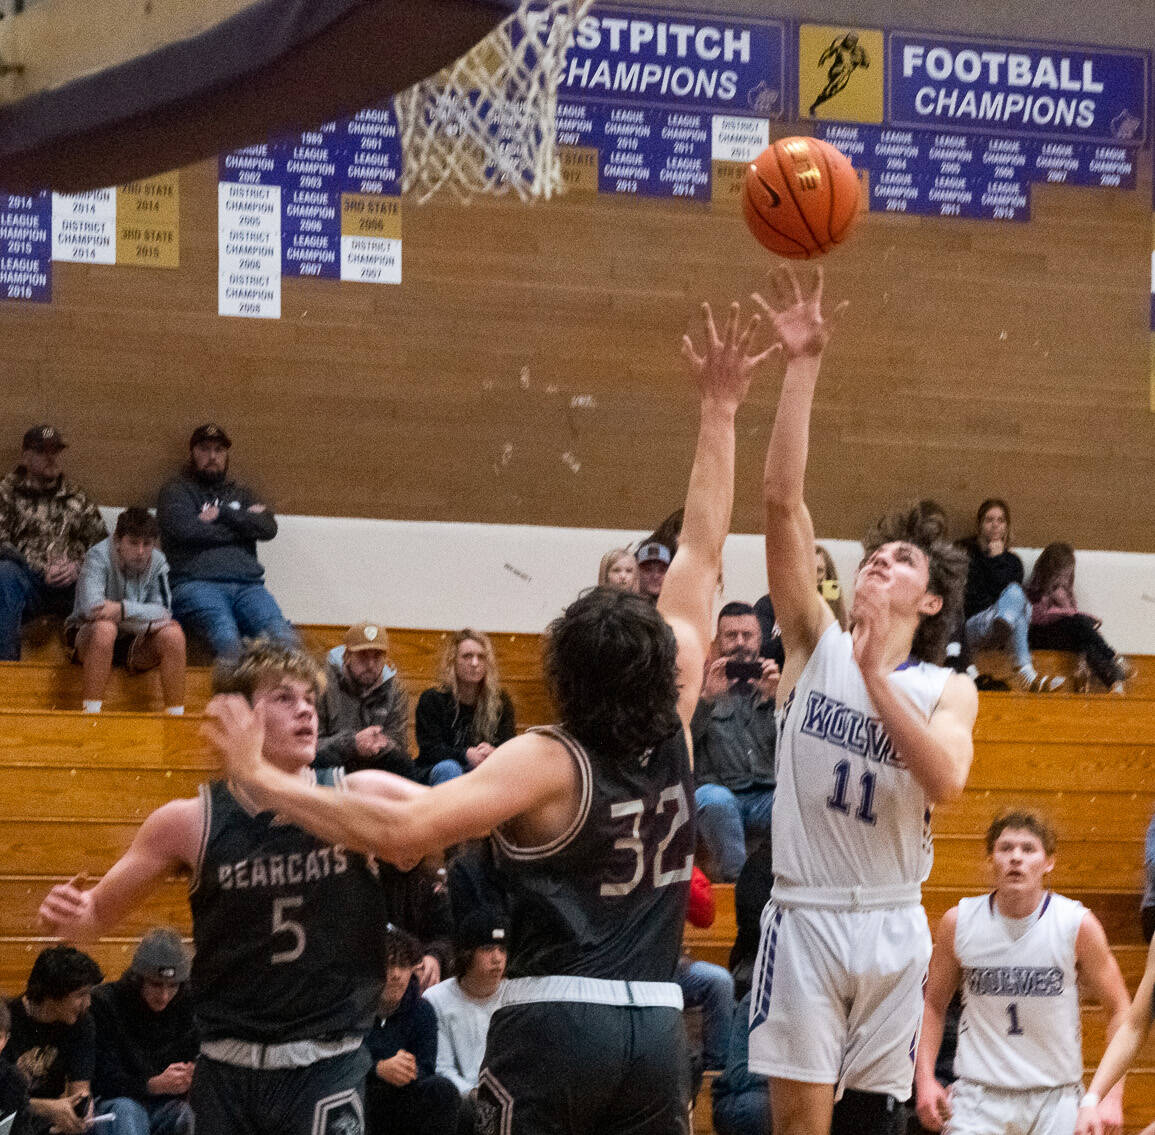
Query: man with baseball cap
{"type": "Point", "coordinates": [210, 525]}
{"type": "Point", "coordinates": [47, 525]}
{"type": "Point", "coordinates": [146, 1041]}
{"type": "Point", "coordinates": [653, 559]}
{"type": "Point", "coordinates": [363, 714]}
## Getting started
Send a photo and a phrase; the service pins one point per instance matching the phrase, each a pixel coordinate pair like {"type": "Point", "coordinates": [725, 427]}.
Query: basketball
{"type": "Point", "coordinates": [801, 197]}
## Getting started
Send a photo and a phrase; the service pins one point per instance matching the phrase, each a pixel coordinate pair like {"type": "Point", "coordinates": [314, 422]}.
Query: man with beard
{"type": "Point", "coordinates": [733, 731]}
{"type": "Point", "coordinates": [363, 714]}
{"type": "Point", "coordinates": [210, 526]}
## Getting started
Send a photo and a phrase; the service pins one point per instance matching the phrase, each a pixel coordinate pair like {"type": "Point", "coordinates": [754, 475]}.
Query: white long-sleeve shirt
{"type": "Point", "coordinates": [462, 1026]}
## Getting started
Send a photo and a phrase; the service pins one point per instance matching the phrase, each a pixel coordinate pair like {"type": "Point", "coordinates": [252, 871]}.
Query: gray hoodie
{"type": "Point", "coordinates": [146, 598]}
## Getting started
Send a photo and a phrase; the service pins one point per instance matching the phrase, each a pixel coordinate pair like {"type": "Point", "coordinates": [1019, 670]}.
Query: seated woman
{"type": "Point", "coordinates": [1058, 624]}
{"type": "Point", "coordinates": [619, 569]}
{"type": "Point", "coordinates": [998, 613]}
{"type": "Point", "coordinates": [467, 715]}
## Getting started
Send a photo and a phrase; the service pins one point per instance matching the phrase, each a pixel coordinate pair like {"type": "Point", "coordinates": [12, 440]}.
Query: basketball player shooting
{"type": "Point", "coordinates": [592, 821]}
{"type": "Point", "coordinates": [872, 734]}
{"type": "Point", "coordinates": [1019, 955]}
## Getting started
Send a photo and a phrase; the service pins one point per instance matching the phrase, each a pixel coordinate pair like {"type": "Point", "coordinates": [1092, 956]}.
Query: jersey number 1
{"type": "Point", "coordinates": [675, 795]}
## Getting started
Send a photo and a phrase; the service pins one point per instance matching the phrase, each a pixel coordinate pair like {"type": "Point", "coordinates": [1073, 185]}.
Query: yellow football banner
{"type": "Point", "coordinates": [840, 73]}
{"type": "Point", "coordinates": [148, 222]}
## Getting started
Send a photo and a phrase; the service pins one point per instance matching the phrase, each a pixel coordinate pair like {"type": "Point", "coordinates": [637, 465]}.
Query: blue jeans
{"type": "Point", "coordinates": [726, 819]}
{"type": "Point", "coordinates": [743, 1113]}
{"type": "Point", "coordinates": [710, 988]}
{"type": "Point", "coordinates": [1013, 609]}
{"type": "Point", "coordinates": [162, 1117]}
{"type": "Point", "coordinates": [223, 613]}
{"type": "Point", "coordinates": [445, 770]}
{"type": "Point", "coordinates": [23, 595]}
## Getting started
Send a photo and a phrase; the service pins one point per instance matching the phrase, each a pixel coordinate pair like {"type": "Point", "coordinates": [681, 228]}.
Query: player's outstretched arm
{"type": "Point", "coordinates": [1099, 974]}
{"type": "Point", "coordinates": [795, 313]}
{"type": "Point", "coordinates": [1121, 1051]}
{"type": "Point", "coordinates": [392, 819]}
{"type": "Point", "coordinates": [942, 979]}
{"type": "Point", "coordinates": [722, 370]}
{"type": "Point", "coordinates": [166, 844]}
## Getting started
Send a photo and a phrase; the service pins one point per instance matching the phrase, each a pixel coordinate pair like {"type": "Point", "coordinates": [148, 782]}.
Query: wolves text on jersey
{"type": "Point", "coordinates": [831, 720]}
{"type": "Point", "coordinates": [1014, 981]}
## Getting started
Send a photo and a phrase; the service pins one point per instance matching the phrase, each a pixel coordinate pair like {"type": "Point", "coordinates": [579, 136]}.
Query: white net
{"type": "Point", "coordinates": [487, 123]}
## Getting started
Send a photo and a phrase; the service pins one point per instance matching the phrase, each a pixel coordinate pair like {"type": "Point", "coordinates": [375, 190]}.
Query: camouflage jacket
{"type": "Point", "coordinates": [46, 524]}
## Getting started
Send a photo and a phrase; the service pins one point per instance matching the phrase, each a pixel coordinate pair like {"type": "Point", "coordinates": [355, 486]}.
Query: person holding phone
{"type": "Point", "coordinates": [733, 731]}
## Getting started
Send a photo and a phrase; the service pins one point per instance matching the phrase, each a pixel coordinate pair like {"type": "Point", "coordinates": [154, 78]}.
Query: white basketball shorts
{"type": "Point", "coordinates": [837, 997]}
{"type": "Point", "coordinates": [977, 1109]}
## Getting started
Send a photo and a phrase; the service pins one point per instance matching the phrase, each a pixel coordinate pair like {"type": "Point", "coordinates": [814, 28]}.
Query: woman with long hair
{"type": "Point", "coordinates": [1058, 624]}
{"type": "Point", "coordinates": [828, 586]}
{"type": "Point", "coordinates": [998, 613]}
{"type": "Point", "coordinates": [462, 719]}
{"type": "Point", "coordinates": [618, 569]}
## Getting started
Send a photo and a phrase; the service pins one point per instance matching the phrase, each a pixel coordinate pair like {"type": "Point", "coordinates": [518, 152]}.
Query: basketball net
{"type": "Point", "coordinates": [487, 123]}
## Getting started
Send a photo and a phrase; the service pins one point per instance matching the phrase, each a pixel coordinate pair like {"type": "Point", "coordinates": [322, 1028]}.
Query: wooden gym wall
{"type": "Point", "coordinates": [527, 369]}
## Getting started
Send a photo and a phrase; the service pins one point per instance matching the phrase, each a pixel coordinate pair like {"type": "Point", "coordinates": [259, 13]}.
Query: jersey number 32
{"type": "Point", "coordinates": [633, 810]}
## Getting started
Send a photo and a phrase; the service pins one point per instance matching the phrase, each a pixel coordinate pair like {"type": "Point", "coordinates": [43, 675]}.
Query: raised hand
{"type": "Point", "coordinates": [67, 910]}
{"type": "Point", "coordinates": [724, 367]}
{"type": "Point", "coordinates": [236, 732]}
{"type": "Point", "coordinates": [795, 312]}
{"type": "Point", "coordinates": [871, 624]}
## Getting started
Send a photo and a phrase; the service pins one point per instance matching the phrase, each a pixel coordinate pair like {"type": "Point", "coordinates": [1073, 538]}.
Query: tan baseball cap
{"type": "Point", "coordinates": [367, 636]}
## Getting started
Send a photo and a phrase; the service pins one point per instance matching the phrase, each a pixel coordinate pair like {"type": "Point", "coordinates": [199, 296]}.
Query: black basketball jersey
{"type": "Point", "coordinates": [607, 898]}
{"type": "Point", "coordinates": [289, 930]}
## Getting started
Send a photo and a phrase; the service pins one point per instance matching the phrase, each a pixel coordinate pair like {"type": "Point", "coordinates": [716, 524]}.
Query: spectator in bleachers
{"type": "Point", "coordinates": [13, 1089]}
{"type": "Point", "coordinates": [705, 986]}
{"type": "Point", "coordinates": [363, 714]}
{"type": "Point", "coordinates": [653, 562]}
{"type": "Point", "coordinates": [123, 612]}
{"type": "Point", "coordinates": [733, 731]}
{"type": "Point", "coordinates": [146, 1041]}
{"type": "Point", "coordinates": [618, 569]}
{"type": "Point", "coordinates": [47, 524]}
{"type": "Point", "coordinates": [418, 902]}
{"type": "Point", "coordinates": [210, 525]}
{"type": "Point", "coordinates": [1058, 624]}
{"type": "Point", "coordinates": [403, 1092]}
{"type": "Point", "coordinates": [740, 1098]}
{"type": "Point", "coordinates": [465, 1003]}
{"type": "Point", "coordinates": [998, 613]}
{"type": "Point", "coordinates": [53, 1040]}
{"type": "Point", "coordinates": [467, 715]}
{"type": "Point", "coordinates": [828, 584]}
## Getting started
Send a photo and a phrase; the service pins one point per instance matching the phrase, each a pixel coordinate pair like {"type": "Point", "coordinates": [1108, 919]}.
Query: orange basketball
{"type": "Point", "coordinates": [801, 197]}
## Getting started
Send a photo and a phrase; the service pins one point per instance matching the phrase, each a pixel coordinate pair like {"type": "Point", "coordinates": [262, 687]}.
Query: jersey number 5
{"type": "Point", "coordinates": [675, 795]}
{"type": "Point", "coordinates": [283, 925]}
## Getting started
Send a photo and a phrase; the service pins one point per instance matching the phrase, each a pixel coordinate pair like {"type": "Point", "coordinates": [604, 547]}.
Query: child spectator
{"type": "Point", "coordinates": [618, 569]}
{"type": "Point", "coordinates": [1058, 624]}
{"type": "Point", "coordinates": [123, 612]}
{"type": "Point", "coordinates": [997, 611]}
{"type": "Point", "coordinates": [464, 1004]}
{"type": "Point", "coordinates": [467, 715]}
{"type": "Point", "coordinates": [403, 1092]}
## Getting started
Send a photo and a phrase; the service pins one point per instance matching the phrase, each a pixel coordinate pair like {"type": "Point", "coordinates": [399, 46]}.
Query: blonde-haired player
{"type": "Point", "coordinates": [1019, 955]}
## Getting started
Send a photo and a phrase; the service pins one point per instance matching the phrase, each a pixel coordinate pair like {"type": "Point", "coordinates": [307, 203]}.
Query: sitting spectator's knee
{"type": "Point", "coordinates": [102, 634]}
{"type": "Point", "coordinates": [170, 638]}
{"type": "Point", "coordinates": [1014, 594]}
{"type": "Point", "coordinates": [713, 798]}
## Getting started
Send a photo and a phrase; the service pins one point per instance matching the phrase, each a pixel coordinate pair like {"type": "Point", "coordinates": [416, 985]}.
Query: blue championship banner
{"type": "Point", "coordinates": [26, 247]}
{"type": "Point", "coordinates": [1031, 90]}
{"type": "Point", "coordinates": [642, 93]}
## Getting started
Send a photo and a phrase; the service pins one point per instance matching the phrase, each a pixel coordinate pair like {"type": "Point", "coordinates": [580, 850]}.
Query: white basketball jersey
{"type": "Point", "coordinates": [847, 812]}
{"type": "Point", "coordinates": [1020, 1025]}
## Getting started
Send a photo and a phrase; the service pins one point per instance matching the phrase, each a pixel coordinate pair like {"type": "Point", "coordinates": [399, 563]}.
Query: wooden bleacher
{"type": "Point", "coordinates": [73, 789]}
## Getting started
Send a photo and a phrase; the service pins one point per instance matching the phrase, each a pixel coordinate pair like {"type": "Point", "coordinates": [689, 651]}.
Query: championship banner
{"type": "Point", "coordinates": [26, 247]}
{"type": "Point", "coordinates": [664, 104]}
